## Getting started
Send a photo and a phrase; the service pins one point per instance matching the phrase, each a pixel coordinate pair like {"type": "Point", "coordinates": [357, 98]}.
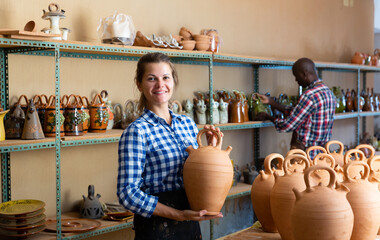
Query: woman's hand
{"type": "Point", "coordinates": [211, 137]}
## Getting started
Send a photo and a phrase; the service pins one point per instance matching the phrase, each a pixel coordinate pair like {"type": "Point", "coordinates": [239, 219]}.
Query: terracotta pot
{"type": "Point", "coordinates": [354, 155]}
{"type": "Point", "coordinates": [367, 149]}
{"type": "Point", "coordinates": [50, 120]}
{"type": "Point", "coordinates": [188, 44]}
{"type": "Point", "coordinates": [185, 33]}
{"type": "Point", "coordinates": [207, 175]}
{"type": "Point", "coordinates": [358, 58]}
{"type": "Point", "coordinates": [338, 156]}
{"type": "Point", "coordinates": [282, 198]}
{"type": "Point", "coordinates": [202, 45]}
{"type": "Point", "coordinates": [260, 192]}
{"type": "Point", "coordinates": [321, 212]}
{"type": "Point", "coordinates": [199, 37]}
{"type": "Point", "coordinates": [98, 115]}
{"type": "Point", "coordinates": [364, 197]}
{"type": "Point", "coordinates": [73, 124]}
{"type": "Point", "coordinates": [237, 109]}
{"type": "Point", "coordinates": [314, 148]}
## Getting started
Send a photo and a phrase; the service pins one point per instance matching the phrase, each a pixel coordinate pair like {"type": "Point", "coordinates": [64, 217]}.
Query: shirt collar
{"type": "Point", "coordinates": [315, 82]}
{"type": "Point", "coordinates": [153, 119]}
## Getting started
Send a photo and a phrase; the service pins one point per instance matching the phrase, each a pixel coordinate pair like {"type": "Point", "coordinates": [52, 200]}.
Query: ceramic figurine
{"type": "Point", "coordinates": [32, 126]}
{"type": "Point", "coordinates": [54, 14]}
{"type": "Point", "coordinates": [189, 109]}
{"type": "Point", "coordinates": [237, 175]}
{"type": "Point", "coordinates": [15, 123]}
{"type": "Point", "coordinates": [200, 111]}
{"type": "Point", "coordinates": [223, 111]}
{"type": "Point", "coordinates": [176, 107]}
{"type": "Point", "coordinates": [250, 174]}
{"type": "Point", "coordinates": [215, 113]}
{"type": "Point", "coordinates": [91, 206]}
{"type": "Point", "coordinates": [104, 95]}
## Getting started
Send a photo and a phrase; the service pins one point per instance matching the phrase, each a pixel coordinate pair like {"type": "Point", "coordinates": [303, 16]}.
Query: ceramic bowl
{"type": "Point", "coordinates": [202, 45]}
{"type": "Point", "coordinates": [188, 44]}
{"type": "Point", "coordinates": [178, 38]}
{"type": "Point", "coordinates": [198, 37]}
{"type": "Point", "coordinates": [185, 33]}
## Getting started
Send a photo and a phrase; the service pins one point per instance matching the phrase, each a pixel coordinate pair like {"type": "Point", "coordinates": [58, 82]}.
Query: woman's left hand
{"type": "Point", "coordinates": [211, 137]}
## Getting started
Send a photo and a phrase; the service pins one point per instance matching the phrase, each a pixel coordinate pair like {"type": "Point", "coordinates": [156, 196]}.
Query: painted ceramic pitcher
{"type": "Point", "coordinates": [98, 115]}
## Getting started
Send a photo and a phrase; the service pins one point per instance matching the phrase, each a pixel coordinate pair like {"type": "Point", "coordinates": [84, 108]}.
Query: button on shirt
{"type": "Point", "coordinates": [151, 158]}
{"type": "Point", "coordinates": [312, 117]}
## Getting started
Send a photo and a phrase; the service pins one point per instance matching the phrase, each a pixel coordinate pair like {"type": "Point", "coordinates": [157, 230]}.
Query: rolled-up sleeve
{"type": "Point", "coordinates": [132, 155]}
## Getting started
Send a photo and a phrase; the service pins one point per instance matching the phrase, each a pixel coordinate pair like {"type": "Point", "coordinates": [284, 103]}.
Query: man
{"type": "Point", "coordinates": [311, 120]}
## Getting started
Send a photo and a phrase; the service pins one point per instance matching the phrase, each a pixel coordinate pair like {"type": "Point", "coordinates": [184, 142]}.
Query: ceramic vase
{"type": "Point", "coordinates": [364, 198]}
{"type": "Point", "coordinates": [207, 175]}
{"type": "Point", "coordinates": [260, 192]}
{"type": "Point", "coordinates": [84, 112]}
{"type": "Point", "coordinates": [98, 115]}
{"type": "Point", "coordinates": [321, 212]}
{"type": "Point", "coordinates": [338, 156]}
{"type": "Point", "coordinates": [73, 125]}
{"type": "Point", "coordinates": [50, 119]}
{"type": "Point", "coordinates": [282, 198]}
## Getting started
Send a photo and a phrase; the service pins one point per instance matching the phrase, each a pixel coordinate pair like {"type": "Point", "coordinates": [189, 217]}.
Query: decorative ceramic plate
{"type": "Point", "coordinates": [20, 207]}
{"type": "Point", "coordinates": [23, 233]}
{"type": "Point", "coordinates": [118, 216]}
{"type": "Point", "coordinates": [73, 225]}
{"type": "Point", "coordinates": [23, 216]}
{"type": "Point", "coordinates": [6, 222]}
{"type": "Point", "coordinates": [23, 228]}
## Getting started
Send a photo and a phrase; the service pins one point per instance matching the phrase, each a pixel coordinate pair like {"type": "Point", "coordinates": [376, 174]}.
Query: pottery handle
{"type": "Point", "coordinates": [118, 106]}
{"type": "Point", "coordinates": [51, 102]}
{"type": "Point", "coordinates": [268, 160]}
{"type": "Point", "coordinates": [85, 98]}
{"type": "Point", "coordinates": [79, 100]}
{"type": "Point", "coordinates": [364, 175]}
{"type": "Point", "coordinates": [37, 100]}
{"type": "Point", "coordinates": [43, 96]}
{"type": "Point", "coordinates": [64, 97]}
{"type": "Point", "coordinates": [69, 99]}
{"type": "Point", "coordinates": [359, 155]}
{"type": "Point", "coordinates": [105, 93]}
{"type": "Point", "coordinates": [371, 163]}
{"type": "Point", "coordinates": [319, 167]}
{"type": "Point", "coordinates": [323, 156]}
{"type": "Point", "coordinates": [329, 143]}
{"type": "Point", "coordinates": [97, 96]}
{"type": "Point", "coordinates": [23, 97]}
{"type": "Point", "coordinates": [296, 151]}
{"type": "Point", "coordinates": [369, 147]}
{"type": "Point", "coordinates": [91, 191]}
{"type": "Point", "coordinates": [178, 104]}
{"type": "Point", "coordinates": [313, 148]}
{"type": "Point", "coordinates": [218, 141]}
{"type": "Point", "coordinates": [293, 157]}
{"type": "Point", "coordinates": [52, 6]}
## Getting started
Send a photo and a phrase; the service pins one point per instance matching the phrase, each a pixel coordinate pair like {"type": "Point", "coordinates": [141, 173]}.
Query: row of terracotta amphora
{"type": "Point", "coordinates": [304, 198]}
{"type": "Point", "coordinates": [36, 118]}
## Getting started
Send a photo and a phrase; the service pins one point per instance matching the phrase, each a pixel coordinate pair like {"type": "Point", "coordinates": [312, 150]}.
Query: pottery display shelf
{"type": "Point", "coordinates": [256, 234]}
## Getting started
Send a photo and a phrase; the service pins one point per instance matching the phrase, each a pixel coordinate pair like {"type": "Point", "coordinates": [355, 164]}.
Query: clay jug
{"type": "Point", "coordinates": [338, 156]}
{"type": "Point", "coordinates": [84, 112]}
{"type": "Point", "coordinates": [310, 152]}
{"type": "Point", "coordinates": [322, 212]}
{"type": "Point", "coordinates": [364, 197]}
{"type": "Point", "coordinates": [15, 123]}
{"type": "Point", "coordinates": [50, 120]}
{"type": "Point", "coordinates": [323, 159]}
{"type": "Point", "coordinates": [358, 101]}
{"type": "Point", "coordinates": [358, 58]}
{"type": "Point", "coordinates": [349, 101]}
{"type": "Point", "coordinates": [367, 149]}
{"type": "Point", "coordinates": [91, 206]}
{"type": "Point", "coordinates": [282, 197]}
{"type": "Point", "coordinates": [104, 95]}
{"type": "Point", "coordinates": [32, 126]}
{"type": "Point", "coordinates": [237, 109]}
{"type": "Point", "coordinates": [207, 175]}
{"type": "Point", "coordinates": [2, 129]}
{"type": "Point", "coordinates": [98, 115]}
{"type": "Point", "coordinates": [260, 192]}
{"type": "Point", "coordinates": [73, 124]}
{"type": "Point", "coordinates": [354, 155]}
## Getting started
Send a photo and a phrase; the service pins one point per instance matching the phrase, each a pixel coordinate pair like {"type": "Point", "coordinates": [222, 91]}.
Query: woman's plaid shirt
{"type": "Point", "coordinates": [312, 117]}
{"type": "Point", "coordinates": [151, 158]}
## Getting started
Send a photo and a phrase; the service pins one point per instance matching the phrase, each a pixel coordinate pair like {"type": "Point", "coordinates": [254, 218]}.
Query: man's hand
{"type": "Point", "coordinates": [265, 99]}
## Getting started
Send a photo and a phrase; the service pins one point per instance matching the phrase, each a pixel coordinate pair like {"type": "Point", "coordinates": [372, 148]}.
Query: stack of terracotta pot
{"type": "Point", "coordinates": [329, 196]}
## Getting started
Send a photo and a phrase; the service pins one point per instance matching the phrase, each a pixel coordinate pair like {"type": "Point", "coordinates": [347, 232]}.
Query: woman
{"type": "Point", "coordinates": [151, 157]}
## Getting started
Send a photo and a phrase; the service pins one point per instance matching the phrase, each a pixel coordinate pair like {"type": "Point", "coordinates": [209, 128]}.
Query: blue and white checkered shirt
{"type": "Point", "coordinates": [151, 158]}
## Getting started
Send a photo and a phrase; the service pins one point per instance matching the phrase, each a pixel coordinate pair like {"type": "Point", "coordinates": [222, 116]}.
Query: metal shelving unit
{"type": "Point", "coordinates": [59, 49]}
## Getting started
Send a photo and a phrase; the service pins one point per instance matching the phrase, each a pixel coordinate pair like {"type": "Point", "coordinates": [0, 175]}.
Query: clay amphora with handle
{"type": "Point", "coordinates": [374, 165]}
{"type": "Point", "coordinates": [260, 192]}
{"type": "Point", "coordinates": [73, 124]}
{"type": "Point", "coordinates": [364, 198]}
{"type": "Point", "coordinates": [338, 156]}
{"type": "Point", "coordinates": [98, 115]}
{"type": "Point", "coordinates": [49, 123]}
{"type": "Point", "coordinates": [207, 175]}
{"type": "Point", "coordinates": [282, 197]}
{"type": "Point", "coordinates": [321, 212]}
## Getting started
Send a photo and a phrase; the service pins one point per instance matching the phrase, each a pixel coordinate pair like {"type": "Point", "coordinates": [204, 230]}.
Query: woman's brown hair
{"type": "Point", "coordinates": [155, 57]}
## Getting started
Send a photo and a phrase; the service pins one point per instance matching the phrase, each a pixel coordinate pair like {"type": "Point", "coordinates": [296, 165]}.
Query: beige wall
{"type": "Point", "coordinates": [324, 30]}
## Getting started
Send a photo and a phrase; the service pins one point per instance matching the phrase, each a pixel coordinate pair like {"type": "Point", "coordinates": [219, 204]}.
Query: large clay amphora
{"type": "Point", "coordinates": [73, 124]}
{"type": "Point", "coordinates": [15, 123]}
{"type": "Point", "coordinates": [338, 156]}
{"type": "Point", "coordinates": [207, 175]}
{"type": "Point", "coordinates": [364, 197]}
{"type": "Point", "coordinates": [260, 192]}
{"type": "Point", "coordinates": [32, 126]}
{"type": "Point", "coordinates": [98, 115]}
{"type": "Point", "coordinates": [282, 197]}
{"type": "Point", "coordinates": [322, 212]}
{"type": "Point", "coordinates": [50, 120]}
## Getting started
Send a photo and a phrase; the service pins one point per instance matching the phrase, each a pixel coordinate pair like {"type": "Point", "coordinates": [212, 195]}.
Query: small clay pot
{"type": "Point", "coordinates": [188, 44]}
{"type": "Point", "coordinates": [185, 33]}
{"type": "Point", "coordinates": [202, 45]}
{"type": "Point", "coordinates": [198, 37]}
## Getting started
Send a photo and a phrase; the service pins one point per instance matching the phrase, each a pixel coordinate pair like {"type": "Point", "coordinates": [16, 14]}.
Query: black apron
{"type": "Point", "coordinates": [156, 228]}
